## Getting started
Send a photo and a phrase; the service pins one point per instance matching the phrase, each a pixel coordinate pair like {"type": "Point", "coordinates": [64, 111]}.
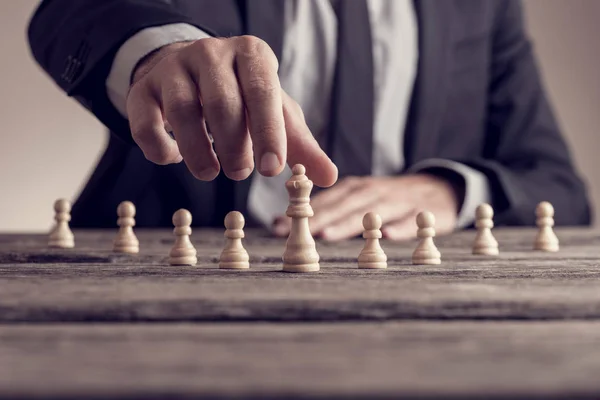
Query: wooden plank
{"type": "Point", "coordinates": [425, 359]}
{"type": "Point", "coordinates": [91, 284]}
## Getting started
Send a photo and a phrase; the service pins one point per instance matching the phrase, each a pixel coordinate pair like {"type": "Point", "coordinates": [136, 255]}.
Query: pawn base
{"type": "Point", "coordinates": [186, 260]}
{"type": "Point", "coordinates": [301, 267]}
{"type": "Point", "coordinates": [58, 244]}
{"type": "Point", "coordinates": [550, 248]}
{"type": "Point", "coordinates": [372, 260]}
{"type": "Point", "coordinates": [426, 261]}
{"type": "Point", "coordinates": [486, 251]}
{"type": "Point", "coordinates": [126, 249]}
{"type": "Point", "coordinates": [234, 265]}
{"type": "Point", "coordinates": [372, 265]}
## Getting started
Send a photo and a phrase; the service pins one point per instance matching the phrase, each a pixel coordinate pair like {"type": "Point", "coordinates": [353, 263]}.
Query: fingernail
{"type": "Point", "coordinates": [269, 162]}
{"type": "Point", "coordinates": [240, 174]}
{"type": "Point", "coordinates": [208, 174]}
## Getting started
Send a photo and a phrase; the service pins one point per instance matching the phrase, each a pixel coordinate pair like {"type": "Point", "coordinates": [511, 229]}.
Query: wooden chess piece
{"type": "Point", "coordinates": [183, 252]}
{"type": "Point", "coordinates": [372, 255]}
{"type": "Point", "coordinates": [61, 235]}
{"type": "Point", "coordinates": [126, 241]}
{"type": "Point", "coordinates": [546, 239]}
{"type": "Point", "coordinates": [234, 255]}
{"type": "Point", "coordinates": [485, 244]}
{"type": "Point", "coordinates": [300, 253]}
{"type": "Point", "coordinates": [426, 253]}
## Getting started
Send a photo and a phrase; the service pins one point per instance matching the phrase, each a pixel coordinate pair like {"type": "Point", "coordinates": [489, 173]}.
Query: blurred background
{"type": "Point", "coordinates": [50, 144]}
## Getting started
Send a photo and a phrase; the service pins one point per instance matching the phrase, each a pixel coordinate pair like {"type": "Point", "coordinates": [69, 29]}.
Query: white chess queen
{"type": "Point", "coordinates": [300, 251]}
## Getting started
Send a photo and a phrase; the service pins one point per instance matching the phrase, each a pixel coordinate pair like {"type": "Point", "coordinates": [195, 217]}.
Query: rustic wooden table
{"type": "Point", "coordinates": [85, 323]}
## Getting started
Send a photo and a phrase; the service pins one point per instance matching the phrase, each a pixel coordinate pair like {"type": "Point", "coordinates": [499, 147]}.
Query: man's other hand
{"type": "Point", "coordinates": [232, 85]}
{"type": "Point", "coordinates": [339, 210]}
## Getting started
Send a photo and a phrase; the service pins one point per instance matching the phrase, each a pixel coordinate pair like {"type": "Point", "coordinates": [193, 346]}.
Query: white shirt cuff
{"type": "Point", "coordinates": [477, 187]}
{"type": "Point", "coordinates": [137, 47]}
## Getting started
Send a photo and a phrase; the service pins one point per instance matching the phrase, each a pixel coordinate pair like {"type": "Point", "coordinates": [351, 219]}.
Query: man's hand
{"type": "Point", "coordinates": [339, 211]}
{"type": "Point", "coordinates": [232, 84]}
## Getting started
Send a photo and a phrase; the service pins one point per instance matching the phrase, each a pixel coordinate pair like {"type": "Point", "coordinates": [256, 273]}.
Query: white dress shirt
{"type": "Point", "coordinates": [306, 73]}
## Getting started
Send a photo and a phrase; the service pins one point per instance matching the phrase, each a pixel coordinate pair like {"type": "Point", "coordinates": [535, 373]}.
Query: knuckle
{"type": "Point", "coordinates": [164, 69]}
{"type": "Point", "coordinates": [268, 133]}
{"type": "Point", "coordinates": [181, 105]}
{"type": "Point", "coordinates": [209, 50]}
{"type": "Point", "coordinates": [215, 75]}
{"type": "Point", "coordinates": [259, 88]}
{"type": "Point", "coordinates": [153, 148]}
{"type": "Point", "coordinates": [249, 43]}
{"type": "Point", "coordinates": [137, 97]}
{"type": "Point", "coordinates": [135, 91]}
{"type": "Point", "coordinates": [233, 158]}
{"type": "Point", "coordinates": [255, 48]}
{"type": "Point", "coordinates": [180, 96]}
{"type": "Point", "coordinates": [143, 133]}
{"type": "Point", "coordinates": [222, 106]}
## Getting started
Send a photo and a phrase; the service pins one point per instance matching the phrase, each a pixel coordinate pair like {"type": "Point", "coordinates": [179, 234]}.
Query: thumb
{"type": "Point", "coordinates": [302, 148]}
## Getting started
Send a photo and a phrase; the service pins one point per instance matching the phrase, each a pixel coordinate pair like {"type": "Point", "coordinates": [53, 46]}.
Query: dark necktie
{"type": "Point", "coordinates": [350, 139]}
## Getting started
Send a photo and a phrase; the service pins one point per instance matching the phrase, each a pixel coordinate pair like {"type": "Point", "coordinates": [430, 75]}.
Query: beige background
{"type": "Point", "coordinates": [50, 144]}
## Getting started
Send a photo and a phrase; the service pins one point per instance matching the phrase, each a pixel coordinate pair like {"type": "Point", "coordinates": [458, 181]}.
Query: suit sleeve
{"type": "Point", "coordinates": [525, 158]}
{"type": "Point", "coordinates": [75, 42]}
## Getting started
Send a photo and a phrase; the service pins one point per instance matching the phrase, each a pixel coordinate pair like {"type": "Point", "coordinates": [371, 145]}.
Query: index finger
{"type": "Point", "coordinates": [257, 72]}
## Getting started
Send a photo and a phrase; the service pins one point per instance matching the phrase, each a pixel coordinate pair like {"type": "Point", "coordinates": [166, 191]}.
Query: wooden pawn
{"type": "Point", "coordinates": [546, 239]}
{"type": "Point", "coordinates": [126, 241]}
{"type": "Point", "coordinates": [61, 235]}
{"type": "Point", "coordinates": [426, 252]}
{"type": "Point", "coordinates": [372, 255]}
{"type": "Point", "coordinates": [183, 252]}
{"type": "Point", "coordinates": [485, 243]}
{"type": "Point", "coordinates": [234, 255]}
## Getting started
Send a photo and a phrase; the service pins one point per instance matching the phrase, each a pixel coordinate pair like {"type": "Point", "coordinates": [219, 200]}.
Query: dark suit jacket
{"type": "Point", "coordinates": [477, 100]}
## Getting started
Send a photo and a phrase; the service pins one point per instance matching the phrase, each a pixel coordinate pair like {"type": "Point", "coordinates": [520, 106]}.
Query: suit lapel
{"type": "Point", "coordinates": [429, 94]}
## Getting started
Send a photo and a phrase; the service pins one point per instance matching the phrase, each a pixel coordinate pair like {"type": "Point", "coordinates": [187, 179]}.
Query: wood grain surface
{"type": "Point", "coordinates": [354, 360]}
{"type": "Point", "coordinates": [86, 323]}
{"type": "Point", "coordinates": [89, 283]}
